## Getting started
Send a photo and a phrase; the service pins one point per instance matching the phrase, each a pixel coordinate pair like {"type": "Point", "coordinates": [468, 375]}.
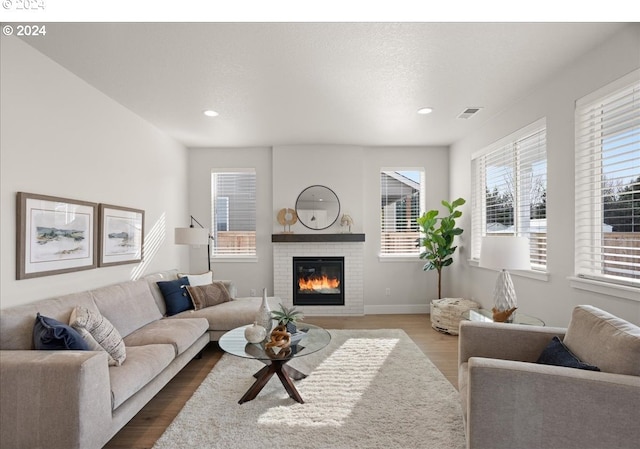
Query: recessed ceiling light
{"type": "Point", "coordinates": [425, 111]}
{"type": "Point", "coordinates": [210, 113]}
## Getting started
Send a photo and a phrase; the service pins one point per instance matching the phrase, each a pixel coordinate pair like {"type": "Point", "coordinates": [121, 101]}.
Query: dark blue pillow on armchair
{"type": "Point", "coordinates": [175, 294]}
{"type": "Point", "coordinates": [49, 334]}
{"type": "Point", "coordinates": [556, 353]}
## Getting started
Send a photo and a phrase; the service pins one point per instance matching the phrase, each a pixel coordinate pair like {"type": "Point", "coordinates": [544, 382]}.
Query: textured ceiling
{"type": "Point", "coordinates": [317, 83]}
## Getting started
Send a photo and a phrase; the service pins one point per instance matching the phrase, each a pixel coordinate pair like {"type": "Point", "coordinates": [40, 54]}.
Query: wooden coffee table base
{"type": "Point", "coordinates": [285, 373]}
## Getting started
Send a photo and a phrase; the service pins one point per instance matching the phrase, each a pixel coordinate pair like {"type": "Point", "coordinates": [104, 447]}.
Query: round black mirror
{"type": "Point", "coordinates": [317, 207]}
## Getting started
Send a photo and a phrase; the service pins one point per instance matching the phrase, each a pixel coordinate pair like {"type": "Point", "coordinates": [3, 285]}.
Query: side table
{"type": "Point", "coordinates": [487, 315]}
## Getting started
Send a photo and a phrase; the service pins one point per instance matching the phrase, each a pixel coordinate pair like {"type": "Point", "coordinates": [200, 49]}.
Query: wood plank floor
{"type": "Point", "coordinates": [149, 424]}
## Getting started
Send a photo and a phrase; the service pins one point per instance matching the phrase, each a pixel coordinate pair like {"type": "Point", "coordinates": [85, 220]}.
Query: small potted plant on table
{"type": "Point", "coordinates": [287, 317]}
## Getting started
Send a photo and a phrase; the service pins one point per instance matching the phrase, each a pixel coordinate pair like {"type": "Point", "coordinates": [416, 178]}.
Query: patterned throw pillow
{"type": "Point", "coordinates": [208, 295]}
{"type": "Point", "coordinates": [99, 334]}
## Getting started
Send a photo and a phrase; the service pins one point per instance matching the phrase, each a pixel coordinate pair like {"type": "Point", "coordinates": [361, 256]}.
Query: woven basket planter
{"type": "Point", "coordinates": [446, 313]}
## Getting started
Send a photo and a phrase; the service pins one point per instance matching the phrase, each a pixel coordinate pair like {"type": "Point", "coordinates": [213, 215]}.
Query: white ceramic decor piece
{"type": "Point", "coordinates": [255, 333]}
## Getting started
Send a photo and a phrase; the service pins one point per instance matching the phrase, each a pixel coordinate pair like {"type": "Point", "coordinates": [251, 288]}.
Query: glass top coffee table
{"type": "Point", "coordinates": [233, 342]}
{"type": "Point", "coordinates": [487, 316]}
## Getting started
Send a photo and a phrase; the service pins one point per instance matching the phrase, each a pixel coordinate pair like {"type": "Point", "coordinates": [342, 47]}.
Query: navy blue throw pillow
{"type": "Point", "coordinates": [556, 353]}
{"type": "Point", "coordinates": [51, 334]}
{"type": "Point", "coordinates": [175, 294]}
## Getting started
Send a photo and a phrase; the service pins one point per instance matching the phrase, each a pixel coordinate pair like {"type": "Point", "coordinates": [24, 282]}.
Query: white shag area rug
{"type": "Point", "coordinates": [368, 389]}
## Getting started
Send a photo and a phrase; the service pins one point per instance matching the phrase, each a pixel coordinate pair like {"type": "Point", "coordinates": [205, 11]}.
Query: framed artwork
{"type": "Point", "coordinates": [54, 235]}
{"type": "Point", "coordinates": [121, 235]}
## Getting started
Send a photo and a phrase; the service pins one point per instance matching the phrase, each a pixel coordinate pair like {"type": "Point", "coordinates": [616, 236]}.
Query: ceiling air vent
{"type": "Point", "coordinates": [469, 112]}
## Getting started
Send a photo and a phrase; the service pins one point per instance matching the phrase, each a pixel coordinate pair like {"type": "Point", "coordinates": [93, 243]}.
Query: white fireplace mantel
{"type": "Point", "coordinates": [325, 238]}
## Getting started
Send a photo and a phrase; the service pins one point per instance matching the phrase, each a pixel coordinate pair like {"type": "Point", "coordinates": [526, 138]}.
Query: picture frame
{"type": "Point", "coordinates": [121, 235]}
{"type": "Point", "coordinates": [54, 235]}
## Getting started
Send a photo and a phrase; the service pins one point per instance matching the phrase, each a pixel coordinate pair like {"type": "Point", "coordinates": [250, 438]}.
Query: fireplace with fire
{"type": "Point", "coordinates": [318, 281]}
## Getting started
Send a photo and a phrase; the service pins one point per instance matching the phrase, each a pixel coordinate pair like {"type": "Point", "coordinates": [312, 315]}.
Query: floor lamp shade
{"type": "Point", "coordinates": [191, 236]}
{"type": "Point", "coordinates": [504, 252]}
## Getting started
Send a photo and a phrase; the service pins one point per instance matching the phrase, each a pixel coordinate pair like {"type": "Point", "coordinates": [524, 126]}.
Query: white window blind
{"type": "Point", "coordinates": [607, 183]}
{"type": "Point", "coordinates": [509, 182]}
{"type": "Point", "coordinates": [233, 220]}
{"type": "Point", "coordinates": [402, 202]}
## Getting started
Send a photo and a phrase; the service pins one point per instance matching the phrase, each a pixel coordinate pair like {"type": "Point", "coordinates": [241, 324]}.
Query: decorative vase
{"type": "Point", "coordinates": [504, 298]}
{"type": "Point", "coordinates": [263, 318]}
{"type": "Point", "coordinates": [255, 333]}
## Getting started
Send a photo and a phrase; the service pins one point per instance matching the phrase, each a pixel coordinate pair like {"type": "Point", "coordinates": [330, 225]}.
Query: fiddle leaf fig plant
{"type": "Point", "coordinates": [437, 239]}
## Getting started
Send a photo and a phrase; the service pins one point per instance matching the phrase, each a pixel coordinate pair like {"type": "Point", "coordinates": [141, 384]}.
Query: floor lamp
{"type": "Point", "coordinates": [195, 236]}
{"type": "Point", "coordinates": [504, 252]}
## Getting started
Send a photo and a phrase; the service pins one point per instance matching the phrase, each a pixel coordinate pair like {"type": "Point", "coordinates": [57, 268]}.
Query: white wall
{"type": "Point", "coordinates": [551, 300]}
{"type": "Point", "coordinates": [411, 288]}
{"type": "Point", "coordinates": [254, 274]}
{"type": "Point", "coordinates": [62, 137]}
{"type": "Point", "coordinates": [338, 167]}
{"type": "Point", "coordinates": [353, 172]}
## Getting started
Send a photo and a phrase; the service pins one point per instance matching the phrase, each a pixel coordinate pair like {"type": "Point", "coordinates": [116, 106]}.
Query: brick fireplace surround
{"type": "Point", "coordinates": [349, 246]}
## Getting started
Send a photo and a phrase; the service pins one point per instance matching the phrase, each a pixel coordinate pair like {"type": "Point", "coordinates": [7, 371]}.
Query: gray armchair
{"type": "Point", "coordinates": [511, 402]}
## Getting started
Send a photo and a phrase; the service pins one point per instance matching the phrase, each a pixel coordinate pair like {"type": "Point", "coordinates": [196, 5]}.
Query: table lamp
{"type": "Point", "coordinates": [194, 236]}
{"type": "Point", "coordinates": [504, 252]}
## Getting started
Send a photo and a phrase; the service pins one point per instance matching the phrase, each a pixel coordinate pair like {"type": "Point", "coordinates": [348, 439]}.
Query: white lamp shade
{"type": "Point", "coordinates": [191, 236]}
{"type": "Point", "coordinates": [505, 252]}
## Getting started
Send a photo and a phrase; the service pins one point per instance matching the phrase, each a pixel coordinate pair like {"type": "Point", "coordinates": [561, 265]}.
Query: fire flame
{"type": "Point", "coordinates": [318, 283]}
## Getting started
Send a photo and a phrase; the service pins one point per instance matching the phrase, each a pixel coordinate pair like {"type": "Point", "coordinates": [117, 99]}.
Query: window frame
{"type": "Point", "coordinates": [479, 189]}
{"type": "Point", "coordinates": [401, 256]}
{"type": "Point", "coordinates": [251, 252]}
{"type": "Point", "coordinates": [589, 167]}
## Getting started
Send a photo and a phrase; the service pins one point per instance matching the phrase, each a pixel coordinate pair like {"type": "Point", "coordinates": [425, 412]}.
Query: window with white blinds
{"type": "Point", "coordinates": [233, 219]}
{"type": "Point", "coordinates": [607, 183]}
{"type": "Point", "coordinates": [402, 202]}
{"type": "Point", "coordinates": [509, 191]}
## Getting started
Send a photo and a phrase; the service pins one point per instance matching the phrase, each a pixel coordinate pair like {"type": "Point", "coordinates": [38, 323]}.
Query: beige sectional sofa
{"type": "Point", "coordinates": [74, 399]}
{"type": "Point", "coordinates": [509, 401]}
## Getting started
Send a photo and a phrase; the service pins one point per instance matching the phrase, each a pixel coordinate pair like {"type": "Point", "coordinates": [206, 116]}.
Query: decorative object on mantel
{"type": "Point", "coordinates": [317, 207]}
{"type": "Point", "coordinates": [263, 317]}
{"type": "Point", "coordinates": [504, 252]}
{"type": "Point", "coordinates": [255, 333]}
{"type": "Point", "coordinates": [346, 220]}
{"type": "Point", "coordinates": [438, 242]}
{"type": "Point", "coordinates": [287, 317]}
{"type": "Point", "coordinates": [287, 217]}
{"type": "Point", "coordinates": [446, 313]}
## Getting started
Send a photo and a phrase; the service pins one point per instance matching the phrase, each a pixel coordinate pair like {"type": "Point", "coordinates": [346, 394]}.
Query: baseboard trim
{"type": "Point", "coordinates": [396, 309]}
